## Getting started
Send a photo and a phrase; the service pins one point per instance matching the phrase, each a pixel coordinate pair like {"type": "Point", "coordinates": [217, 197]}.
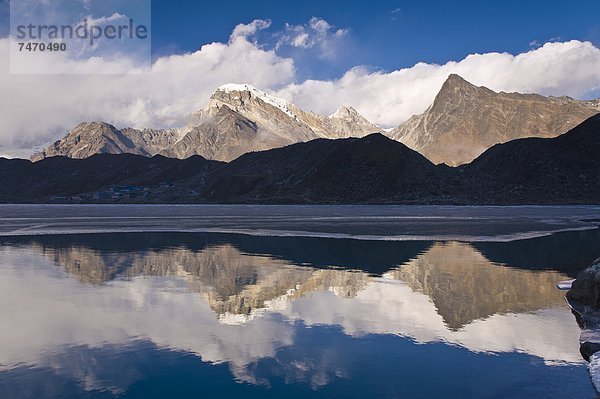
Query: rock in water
{"type": "Point", "coordinates": [586, 288]}
{"type": "Point", "coordinates": [594, 370]}
{"type": "Point", "coordinates": [584, 300]}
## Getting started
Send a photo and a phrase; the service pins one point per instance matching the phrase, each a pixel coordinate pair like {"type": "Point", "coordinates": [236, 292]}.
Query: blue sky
{"type": "Point", "coordinates": [385, 34]}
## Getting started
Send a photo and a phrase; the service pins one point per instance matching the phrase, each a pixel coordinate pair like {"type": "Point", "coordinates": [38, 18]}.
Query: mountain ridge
{"type": "Point", "coordinates": [237, 119]}
{"type": "Point", "coordinates": [370, 170]}
{"type": "Point", "coordinates": [463, 121]}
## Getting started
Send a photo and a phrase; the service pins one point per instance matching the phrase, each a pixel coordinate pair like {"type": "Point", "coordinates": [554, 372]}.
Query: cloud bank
{"type": "Point", "coordinates": [37, 109]}
{"type": "Point", "coordinates": [389, 98]}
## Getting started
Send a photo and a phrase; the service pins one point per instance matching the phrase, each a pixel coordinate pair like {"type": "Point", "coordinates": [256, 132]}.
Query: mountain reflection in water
{"type": "Point", "coordinates": [240, 300]}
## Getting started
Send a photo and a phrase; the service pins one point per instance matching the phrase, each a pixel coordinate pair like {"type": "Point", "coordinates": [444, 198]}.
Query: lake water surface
{"type": "Point", "coordinates": [246, 301]}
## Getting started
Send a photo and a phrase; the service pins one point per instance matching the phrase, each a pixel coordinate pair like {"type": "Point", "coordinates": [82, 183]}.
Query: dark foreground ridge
{"type": "Point", "coordinates": [373, 169]}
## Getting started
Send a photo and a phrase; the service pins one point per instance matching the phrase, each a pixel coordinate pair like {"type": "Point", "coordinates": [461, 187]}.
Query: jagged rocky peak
{"type": "Point", "coordinates": [90, 131]}
{"type": "Point", "coordinates": [455, 82]}
{"type": "Point", "coordinates": [456, 88]}
{"type": "Point", "coordinates": [92, 128]}
{"type": "Point", "coordinates": [96, 124]}
{"type": "Point", "coordinates": [348, 122]}
{"type": "Point", "coordinates": [346, 112]}
{"type": "Point", "coordinates": [87, 139]}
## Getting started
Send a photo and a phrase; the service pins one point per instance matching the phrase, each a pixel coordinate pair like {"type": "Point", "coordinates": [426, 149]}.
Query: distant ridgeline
{"type": "Point", "coordinates": [371, 169]}
{"type": "Point", "coordinates": [462, 122]}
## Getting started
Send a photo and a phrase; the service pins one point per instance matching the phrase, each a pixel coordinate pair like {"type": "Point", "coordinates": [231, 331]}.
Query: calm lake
{"type": "Point", "coordinates": [296, 301]}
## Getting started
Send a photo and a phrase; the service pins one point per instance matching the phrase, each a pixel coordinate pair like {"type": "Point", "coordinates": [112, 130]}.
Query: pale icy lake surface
{"type": "Point", "coordinates": [475, 223]}
{"type": "Point", "coordinates": [291, 301]}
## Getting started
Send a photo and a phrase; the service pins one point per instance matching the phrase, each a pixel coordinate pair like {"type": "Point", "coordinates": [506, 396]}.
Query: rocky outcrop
{"type": "Point", "coordinates": [588, 318]}
{"type": "Point", "coordinates": [465, 120]}
{"type": "Point", "coordinates": [586, 288]}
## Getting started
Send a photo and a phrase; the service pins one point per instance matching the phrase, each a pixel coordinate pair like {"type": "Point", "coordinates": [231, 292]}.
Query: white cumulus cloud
{"type": "Point", "coordinates": [246, 31]}
{"type": "Point", "coordinates": [105, 19]}
{"type": "Point", "coordinates": [317, 33]}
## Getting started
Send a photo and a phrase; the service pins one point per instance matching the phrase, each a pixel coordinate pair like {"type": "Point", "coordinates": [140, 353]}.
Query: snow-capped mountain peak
{"type": "Point", "coordinates": [277, 102]}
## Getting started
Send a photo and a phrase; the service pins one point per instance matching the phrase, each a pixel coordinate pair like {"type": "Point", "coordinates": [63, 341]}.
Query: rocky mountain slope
{"type": "Point", "coordinates": [91, 138]}
{"type": "Point", "coordinates": [465, 120]}
{"type": "Point", "coordinates": [238, 119]}
{"type": "Point", "coordinates": [284, 119]}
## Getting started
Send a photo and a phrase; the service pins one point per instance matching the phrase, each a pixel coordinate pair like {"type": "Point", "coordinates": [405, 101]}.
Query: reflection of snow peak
{"type": "Point", "coordinates": [274, 306]}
